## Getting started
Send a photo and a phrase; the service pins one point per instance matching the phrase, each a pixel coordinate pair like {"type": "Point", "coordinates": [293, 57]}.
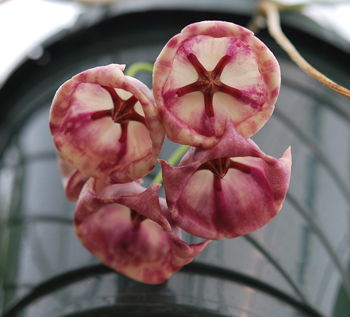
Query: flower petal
{"type": "Point", "coordinates": [72, 180]}
{"type": "Point", "coordinates": [146, 250]}
{"type": "Point", "coordinates": [243, 199]}
{"type": "Point", "coordinates": [106, 125]}
{"type": "Point", "coordinates": [231, 144]}
{"type": "Point", "coordinates": [210, 73]}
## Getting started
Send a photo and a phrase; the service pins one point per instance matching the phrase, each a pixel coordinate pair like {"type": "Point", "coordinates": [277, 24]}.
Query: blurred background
{"type": "Point", "coordinates": [298, 265]}
{"type": "Point", "coordinates": [25, 24]}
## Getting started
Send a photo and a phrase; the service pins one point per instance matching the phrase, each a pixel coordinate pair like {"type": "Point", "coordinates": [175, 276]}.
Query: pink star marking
{"type": "Point", "coordinates": [122, 112]}
{"type": "Point", "coordinates": [209, 82]}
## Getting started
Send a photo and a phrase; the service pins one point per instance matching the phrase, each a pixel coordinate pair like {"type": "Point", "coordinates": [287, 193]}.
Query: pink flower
{"type": "Point", "coordinates": [105, 124]}
{"type": "Point", "coordinates": [126, 227]}
{"type": "Point", "coordinates": [227, 191]}
{"type": "Point", "coordinates": [72, 180]}
{"type": "Point", "coordinates": [210, 73]}
{"type": "Point", "coordinates": [215, 85]}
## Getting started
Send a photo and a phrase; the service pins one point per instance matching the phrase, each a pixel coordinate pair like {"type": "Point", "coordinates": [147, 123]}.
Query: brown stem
{"type": "Point", "coordinates": [257, 21]}
{"type": "Point", "coordinates": [274, 27]}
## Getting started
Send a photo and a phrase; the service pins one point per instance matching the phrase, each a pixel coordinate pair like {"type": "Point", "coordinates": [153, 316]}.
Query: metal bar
{"type": "Point", "coordinates": [65, 279]}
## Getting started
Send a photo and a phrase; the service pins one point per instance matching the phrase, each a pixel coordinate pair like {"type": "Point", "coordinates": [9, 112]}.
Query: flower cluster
{"type": "Point", "coordinates": [214, 86]}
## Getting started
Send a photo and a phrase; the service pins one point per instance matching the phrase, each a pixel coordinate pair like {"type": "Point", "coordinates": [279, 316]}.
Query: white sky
{"type": "Point", "coordinates": [24, 24]}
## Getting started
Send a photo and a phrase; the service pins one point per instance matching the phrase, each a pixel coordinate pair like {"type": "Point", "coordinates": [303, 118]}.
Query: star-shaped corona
{"type": "Point", "coordinates": [211, 73]}
{"type": "Point", "coordinates": [228, 191]}
{"type": "Point", "coordinates": [208, 83]}
{"type": "Point", "coordinates": [106, 125]}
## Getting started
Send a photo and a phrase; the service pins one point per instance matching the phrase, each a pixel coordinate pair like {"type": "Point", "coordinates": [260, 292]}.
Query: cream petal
{"type": "Point", "coordinates": [149, 250]}
{"type": "Point", "coordinates": [72, 180]}
{"type": "Point", "coordinates": [246, 88]}
{"type": "Point", "coordinates": [215, 207]}
{"type": "Point", "coordinates": [88, 138]}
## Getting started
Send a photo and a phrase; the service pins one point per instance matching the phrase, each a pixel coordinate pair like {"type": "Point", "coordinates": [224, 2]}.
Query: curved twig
{"type": "Point", "coordinates": [274, 26]}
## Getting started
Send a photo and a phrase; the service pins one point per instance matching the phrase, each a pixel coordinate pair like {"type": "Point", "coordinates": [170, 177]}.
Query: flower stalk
{"type": "Point", "coordinates": [174, 158]}
{"type": "Point", "coordinates": [140, 67]}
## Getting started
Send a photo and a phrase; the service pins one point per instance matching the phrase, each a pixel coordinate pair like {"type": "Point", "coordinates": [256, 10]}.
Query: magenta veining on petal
{"type": "Point", "coordinates": [212, 69]}
{"type": "Point", "coordinates": [227, 191]}
{"type": "Point", "coordinates": [126, 227]}
{"type": "Point", "coordinates": [214, 86]}
{"type": "Point", "coordinates": [104, 130]}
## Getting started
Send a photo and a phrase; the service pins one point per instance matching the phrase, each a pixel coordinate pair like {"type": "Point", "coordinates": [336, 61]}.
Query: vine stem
{"type": "Point", "coordinates": [136, 68]}
{"type": "Point", "coordinates": [274, 26]}
{"type": "Point", "coordinates": [257, 21]}
{"type": "Point", "coordinates": [173, 159]}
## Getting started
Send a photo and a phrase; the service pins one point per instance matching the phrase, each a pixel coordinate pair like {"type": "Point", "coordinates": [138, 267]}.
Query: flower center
{"type": "Point", "coordinates": [208, 82]}
{"type": "Point", "coordinates": [219, 168]}
{"type": "Point", "coordinates": [136, 219]}
{"type": "Point", "coordinates": [123, 112]}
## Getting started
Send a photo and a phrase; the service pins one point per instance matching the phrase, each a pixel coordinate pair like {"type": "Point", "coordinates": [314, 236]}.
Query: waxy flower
{"type": "Point", "coordinates": [105, 124]}
{"type": "Point", "coordinates": [210, 73]}
{"type": "Point", "coordinates": [215, 85]}
{"type": "Point", "coordinates": [126, 227]}
{"type": "Point", "coordinates": [72, 180]}
{"type": "Point", "coordinates": [227, 191]}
